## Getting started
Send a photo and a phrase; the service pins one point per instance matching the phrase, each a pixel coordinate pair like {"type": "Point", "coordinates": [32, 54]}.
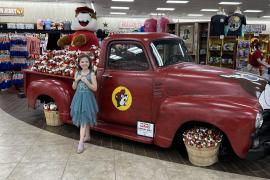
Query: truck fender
{"type": "Point", "coordinates": [60, 91]}
{"type": "Point", "coordinates": [235, 121]}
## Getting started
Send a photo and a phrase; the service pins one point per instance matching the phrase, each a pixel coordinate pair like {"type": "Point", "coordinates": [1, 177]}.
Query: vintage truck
{"type": "Point", "coordinates": [149, 91]}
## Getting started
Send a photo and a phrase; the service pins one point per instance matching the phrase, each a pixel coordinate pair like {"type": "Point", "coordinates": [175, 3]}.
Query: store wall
{"type": "Point", "coordinates": [61, 11]}
{"type": "Point", "coordinates": [40, 10]}
{"type": "Point", "coordinates": [118, 24]}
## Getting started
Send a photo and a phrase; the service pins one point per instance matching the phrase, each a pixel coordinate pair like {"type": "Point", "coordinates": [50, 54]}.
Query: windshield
{"type": "Point", "coordinates": [170, 51]}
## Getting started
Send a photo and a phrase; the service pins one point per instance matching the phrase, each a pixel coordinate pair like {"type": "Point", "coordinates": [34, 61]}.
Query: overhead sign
{"type": "Point", "coordinates": [255, 28]}
{"type": "Point", "coordinates": [128, 24]}
{"type": "Point", "coordinates": [7, 11]}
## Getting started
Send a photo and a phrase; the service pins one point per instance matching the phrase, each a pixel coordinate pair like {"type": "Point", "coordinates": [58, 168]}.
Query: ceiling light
{"type": "Point", "coordinates": [195, 15]}
{"type": "Point", "coordinates": [118, 13]}
{"type": "Point", "coordinates": [177, 2]}
{"type": "Point", "coordinates": [124, 0]}
{"type": "Point", "coordinates": [230, 3]}
{"type": "Point", "coordinates": [265, 16]}
{"type": "Point", "coordinates": [165, 9]}
{"type": "Point", "coordinates": [210, 10]}
{"type": "Point", "coordinates": [253, 11]}
{"type": "Point", "coordinates": [114, 7]}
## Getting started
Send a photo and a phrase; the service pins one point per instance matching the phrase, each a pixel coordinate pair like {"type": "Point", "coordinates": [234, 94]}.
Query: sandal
{"type": "Point", "coordinates": [80, 148]}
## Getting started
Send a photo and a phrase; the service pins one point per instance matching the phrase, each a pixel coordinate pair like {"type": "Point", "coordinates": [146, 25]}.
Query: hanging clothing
{"type": "Point", "coordinates": [162, 24]}
{"type": "Point", "coordinates": [235, 22]}
{"type": "Point", "coordinates": [33, 45]}
{"type": "Point", "coordinates": [217, 25]}
{"type": "Point", "coordinates": [150, 25]}
{"type": "Point", "coordinates": [52, 41]}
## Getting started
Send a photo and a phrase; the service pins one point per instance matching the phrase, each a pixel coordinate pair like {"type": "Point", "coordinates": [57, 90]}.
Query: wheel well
{"type": "Point", "coordinates": [225, 146]}
{"type": "Point", "coordinates": [45, 99]}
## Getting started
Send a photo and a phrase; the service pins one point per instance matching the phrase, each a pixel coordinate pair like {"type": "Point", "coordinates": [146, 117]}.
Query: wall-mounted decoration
{"type": "Point", "coordinates": [187, 34]}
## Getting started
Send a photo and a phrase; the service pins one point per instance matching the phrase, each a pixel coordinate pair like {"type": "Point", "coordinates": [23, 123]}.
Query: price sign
{"type": "Point", "coordinates": [145, 129]}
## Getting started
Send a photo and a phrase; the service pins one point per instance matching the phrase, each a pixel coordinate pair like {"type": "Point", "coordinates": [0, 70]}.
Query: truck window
{"type": "Point", "coordinates": [169, 51]}
{"type": "Point", "coordinates": [127, 56]}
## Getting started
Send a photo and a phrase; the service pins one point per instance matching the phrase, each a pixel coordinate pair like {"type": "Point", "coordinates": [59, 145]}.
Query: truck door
{"type": "Point", "coordinates": [126, 85]}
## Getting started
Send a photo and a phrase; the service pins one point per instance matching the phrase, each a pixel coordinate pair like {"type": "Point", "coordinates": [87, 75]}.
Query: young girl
{"type": "Point", "coordinates": [84, 106]}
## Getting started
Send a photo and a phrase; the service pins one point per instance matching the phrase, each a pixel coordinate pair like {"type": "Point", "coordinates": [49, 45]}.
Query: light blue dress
{"type": "Point", "coordinates": [83, 106]}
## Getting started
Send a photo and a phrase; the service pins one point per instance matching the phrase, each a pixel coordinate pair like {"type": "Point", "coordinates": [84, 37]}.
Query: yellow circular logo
{"type": "Point", "coordinates": [121, 98]}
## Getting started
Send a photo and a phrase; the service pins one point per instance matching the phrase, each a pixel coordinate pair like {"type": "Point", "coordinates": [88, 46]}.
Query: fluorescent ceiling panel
{"type": "Point", "coordinates": [253, 11]}
{"type": "Point", "coordinates": [114, 7]}
{"type": "Point", "coordinates": [210, 10]}
{"type": "Point", "coordinates": [165, 9]}
{"type": "Point", "coordinates": [230, 3]}
{"type": "Point", "coordinates": [177, 2]}
{"type": "Point", "coordinates": [123, 0]}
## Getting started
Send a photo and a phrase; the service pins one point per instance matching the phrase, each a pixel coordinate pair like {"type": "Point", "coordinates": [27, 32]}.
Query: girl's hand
{"type": "Point", "coordinates": [79, 77]}
{"type": "Point", "coordinates": [84, 79]}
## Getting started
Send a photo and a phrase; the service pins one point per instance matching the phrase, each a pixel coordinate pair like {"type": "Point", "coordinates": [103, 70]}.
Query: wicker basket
{"type": "Point", "coordinates": [52, 118]}
{"type": "Point", "coordinates": [202, 156]}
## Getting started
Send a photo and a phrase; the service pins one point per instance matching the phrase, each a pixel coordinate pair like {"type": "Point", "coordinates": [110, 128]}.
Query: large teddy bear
{"type": "Point", "coordinates": [85, 25]}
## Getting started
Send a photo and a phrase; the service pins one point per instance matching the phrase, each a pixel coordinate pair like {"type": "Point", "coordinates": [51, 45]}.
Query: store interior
{"type": "Point", "coordinates": [218, 34]}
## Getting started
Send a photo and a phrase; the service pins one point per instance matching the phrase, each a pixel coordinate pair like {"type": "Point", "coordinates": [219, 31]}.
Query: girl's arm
{"type": "Point", "coordinates": [93, 85]}
{"type": "Point", "coordinates": [76, 80]}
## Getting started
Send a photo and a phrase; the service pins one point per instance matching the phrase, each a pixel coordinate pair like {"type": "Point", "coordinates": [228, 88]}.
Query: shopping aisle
{"type": "Point", "coordinates": [27, 152]}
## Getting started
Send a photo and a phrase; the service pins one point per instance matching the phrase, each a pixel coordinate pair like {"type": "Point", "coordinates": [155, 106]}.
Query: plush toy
{"type": "Point", "coordinates": [85, 25]}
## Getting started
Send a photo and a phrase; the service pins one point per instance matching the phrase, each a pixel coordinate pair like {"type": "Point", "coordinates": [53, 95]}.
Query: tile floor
{"type": "Point", "coordinates": [27, 152]}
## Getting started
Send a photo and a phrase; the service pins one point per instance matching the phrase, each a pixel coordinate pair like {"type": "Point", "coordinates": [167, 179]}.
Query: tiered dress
{"type": "Point", "coordinates": [84, 106]}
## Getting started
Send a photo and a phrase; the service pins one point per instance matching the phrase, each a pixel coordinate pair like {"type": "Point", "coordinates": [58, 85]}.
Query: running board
{"type": "Point", "coordinates": [121, 131]}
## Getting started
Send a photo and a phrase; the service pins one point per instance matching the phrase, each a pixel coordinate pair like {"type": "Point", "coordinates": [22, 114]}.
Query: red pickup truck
{"type": "Point", "coordinates": [150, 91]}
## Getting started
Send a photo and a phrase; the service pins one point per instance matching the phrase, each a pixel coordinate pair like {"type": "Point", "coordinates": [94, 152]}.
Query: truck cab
{"type": "Point", "coordinates": [150, 91]}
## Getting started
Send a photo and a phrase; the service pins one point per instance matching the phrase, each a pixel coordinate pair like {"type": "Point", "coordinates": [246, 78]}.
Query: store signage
{"type": "Point", "coordinates": [145, 129]}
{"type": "Point", "coordinates": [6, 11]}
{"type": "Point", "coordinates": [127, 24]}
{"type": "Point", "coordinates": [255, 28]}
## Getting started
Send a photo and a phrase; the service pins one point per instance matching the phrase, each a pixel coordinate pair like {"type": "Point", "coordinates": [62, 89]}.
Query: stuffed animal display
{"type": "Point", "coordinates": [85, 25]}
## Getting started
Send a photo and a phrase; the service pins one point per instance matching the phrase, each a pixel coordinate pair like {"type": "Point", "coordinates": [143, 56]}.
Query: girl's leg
{"type": "Point", "coordinates": [87, 133]}
{"type": "Point", "coordinates": [82, 133]}
{"type": "Point", "coordinates": [81, 144]}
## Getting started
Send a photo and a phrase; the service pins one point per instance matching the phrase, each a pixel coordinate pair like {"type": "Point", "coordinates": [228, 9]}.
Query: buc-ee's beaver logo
{"type": "Point", "coordinates": [121, 98]}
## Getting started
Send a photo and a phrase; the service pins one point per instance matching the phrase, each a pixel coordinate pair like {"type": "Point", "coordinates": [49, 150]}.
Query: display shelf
{"type": "Point", "coordinates": [35, 31]}
{"type": "Point", "coordinates": [173, 28]}
{"type": "Point", "coordinates": [264, 41]}
{"type": "Point", "coordinates": [229, 52]}
{"type": "Point", "coordinates": [222, 51]}
{"type": "Point", "coordinates": [198, 41]}
{"type": "Point", "coordinates": [214, 51]}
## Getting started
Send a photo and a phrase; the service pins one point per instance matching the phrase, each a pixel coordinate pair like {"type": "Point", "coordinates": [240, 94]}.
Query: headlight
{"type": "Point", "coordinates": [259, 120]}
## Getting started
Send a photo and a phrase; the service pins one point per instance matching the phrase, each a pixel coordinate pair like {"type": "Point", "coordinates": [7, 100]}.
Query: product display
{"type": "Point", "coordinates": [63, 62]}
{"type": "Point", "coordinates": [243, 52]}
{"type": "Point", "coordinates": [202, 137]}
{"type": "Point", "coordinates": [84, 37]}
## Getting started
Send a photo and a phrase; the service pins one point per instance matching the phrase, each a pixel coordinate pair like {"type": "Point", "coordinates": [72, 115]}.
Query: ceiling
{"type": "Point", "coordinates": [142, 8]}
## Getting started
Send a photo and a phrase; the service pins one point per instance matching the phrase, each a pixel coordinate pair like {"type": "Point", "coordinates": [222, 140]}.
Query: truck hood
{"type": "Point", "coordinates": [192, 79]}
